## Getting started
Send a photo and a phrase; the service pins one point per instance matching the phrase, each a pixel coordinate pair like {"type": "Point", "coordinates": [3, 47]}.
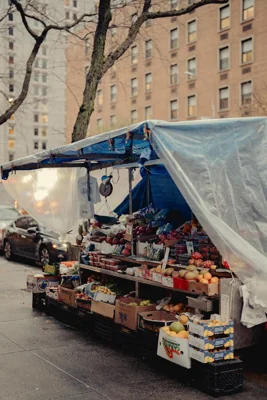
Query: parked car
{"type": "Point", "coordinates": [8, 214]}
{"type": "Point", "coordinates": [26, 238]}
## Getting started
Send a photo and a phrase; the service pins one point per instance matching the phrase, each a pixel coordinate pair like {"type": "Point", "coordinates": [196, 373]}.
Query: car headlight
{"type": "Point", "coordinates": [59, 246]}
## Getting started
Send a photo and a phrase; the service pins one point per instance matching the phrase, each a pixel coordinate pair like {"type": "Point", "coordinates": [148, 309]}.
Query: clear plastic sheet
{"type": "Point", "coordinates": [49, 195]}
{"type": "Point", "coordinates": [220, 168]}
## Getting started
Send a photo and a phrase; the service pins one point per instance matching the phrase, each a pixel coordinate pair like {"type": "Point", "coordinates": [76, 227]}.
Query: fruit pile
{"type": "Point", "coordinates": [143, 303]}
{"type": "Point", "coordinates": [82, 296]}
{"type": "Point", "coordinates": [177, 309]}
{"type": "Point", "coordinates": [102, 289]}
{"type": "Point", "coordinates": [176, 329]}
{"type": "Point", "coordinates": [191, 273]}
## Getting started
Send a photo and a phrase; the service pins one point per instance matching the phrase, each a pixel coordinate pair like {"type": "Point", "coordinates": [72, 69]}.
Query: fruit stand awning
{"type": "Point", "coordinates": [218, 165]}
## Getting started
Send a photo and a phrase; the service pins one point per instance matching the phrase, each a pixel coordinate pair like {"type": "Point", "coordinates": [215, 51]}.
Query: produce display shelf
{"type": "Point", "coordinates": [132, 278]}
{"type": "Point", "coordinates": [140, 260]}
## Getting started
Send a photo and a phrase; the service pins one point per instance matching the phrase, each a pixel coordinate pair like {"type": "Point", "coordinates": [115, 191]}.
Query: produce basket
{"type": "Point", "coordinates": [148, 342]}
{"type": "Point", "coordinates": [125, 337]}
{"type": "Point", "coordinates": [103, 327]}
{"type": "Point", "coordinates": [218, 379]}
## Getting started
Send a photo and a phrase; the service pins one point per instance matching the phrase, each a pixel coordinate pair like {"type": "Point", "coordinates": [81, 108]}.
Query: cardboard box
{"type": "Point", "coordinates": [167, 281]}
{"type": "Point", "coordinates": [156, 277]}
{"type": "Point", "coordinates": [203, 328]}
{"type": "Point", "coordinates": [201, 304]}
{"type": "Point", "coordinates": [107, 310]}
{"type": "Point", "coordinates": [209, 356]}
{"type": "Point", "coordinates": [128, 315]}
{"type": "Point", "coordinates": [174, 349]}
{"type": "Point", "coordinates": [51, 269]}
{"type": "Point", "coordinates": [209, 289]}
{"type": "Point", "coordinates": [154, 320]}
{"type": "Point", "coordinates": [205, 343]}
{"type": "Point", "coordinates": [39, 284]}
{"type": "Point", "coordinates": [106, 298]}
{"type": "Point", "coordinates": [52, 292]}
{"type": "Point", "coordinates": [84, 304]}
{"type": "Point", "coordinates": [67, 296]}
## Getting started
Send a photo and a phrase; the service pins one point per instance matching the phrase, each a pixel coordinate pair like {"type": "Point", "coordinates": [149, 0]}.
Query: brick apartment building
{"type": "Point", "coordinates": [210, 63]}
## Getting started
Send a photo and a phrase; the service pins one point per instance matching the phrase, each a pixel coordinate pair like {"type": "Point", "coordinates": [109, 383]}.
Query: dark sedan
{"type": "Point", "coordinates": [26, 238]}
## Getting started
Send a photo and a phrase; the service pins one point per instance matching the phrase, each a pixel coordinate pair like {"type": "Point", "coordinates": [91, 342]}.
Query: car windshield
{"type": "Point", "coordinates": [8, 214]}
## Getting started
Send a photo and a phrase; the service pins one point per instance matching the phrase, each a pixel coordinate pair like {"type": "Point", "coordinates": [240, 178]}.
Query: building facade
{"type": "Point", "coordinates": [210, 63]}
{"type": "Point", "coordinates": [40, 123]}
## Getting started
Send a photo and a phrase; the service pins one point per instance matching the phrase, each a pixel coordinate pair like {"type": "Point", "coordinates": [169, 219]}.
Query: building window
{"type": "Point", "coordinates": [247, 52]}
{"type": "Point", "coordinates": [149, 21]}
{"type": "Point", "coordinates": [192, 31]}
{"type": "Point", "coordinates": [99, 97]}
{"type": "Point", "coordinates": [133, 116]}
{"type": "Point", "coordinates": [113, 32]}
{"type": "Point", "coordinates": [247, 9]}
{"type": "Point", "coordinates": [11, 60]}
{"type": "Point", "coordinates": [75, 3]}
{"type": "Point", "coordinates": [87, 47]}
{"type": "Point", "coordinates": [192, 68]}
{"type": "Point", "coordinates": [11, 45]}
{"type": "Point", "coordinates": [174, 4]}
{"type": "Point", "coordinates": [67, 15]}
{"type": "Point", "coordinates": [113, 120]}
{"type": "Point", "coordinates": [44, 51]}
{"type": "Point", "coordinates": [35, 145]}
{"type": "Point", "coordinates": [191, 106]}
{"type": "Point", "coordinates": [148, 112]}
{"type": "Point", "coordinates": [36, 77]}
{"type": "Point", "coordinates": [44, 91]}
{"type": "Point", "coordinates": [11, 130]}
{"type": "Point", "coordinates": [35, 131]}
{"type": "Point", "coordinates": [10, 157]}
{"type": "Point", "coordinates": [36, 90]}
{"type": "Point", "coordinates": [174, 38]}
{"type": "Point", "coordinates": [44, 64]}
{"type": "Point", "coordinates": [44, 118]}
{"type": "Point", "coordinates": [224, 98]}
{"type": "Point", "coordinates": [11, 143]}
{"type": "Point", "coordinates": [224, 58]}
{"type": "Point", "coordinates": [174, 109]}
{"type": "Point", "coordinates": [44, 132]}
{"type": "Point", "coordinates": [134, 87]}
{"type": "Point", "coordinates": [36, 63]}
{"type": "Point", "coordinates": [148, 82]}
{"type": "Point", "coordinates": [113, 93]}
{"type": "Point", "coordinates": [246, 93]}
{"type": "Point", "coordinates": [44, 78]}
{"type": "Point", "coordinates": [134, 55]}
{"type": "Point", "coordinates": [173, 74]}
{"type": "Point", "coordinates": [148, 47]}
{"type": "Point", "coordinates": [74, 16]}
{"type": "Point", "coordinates": [43, 145]}
{"type": "Point", "coordinates": [10, 31]}
{"type": "Point", "coordinates": [10, 17]}
{"type": "Point", "coordinates": [99, 123]}
{"type": "Point", "coordinates": [36, 118]}
{"type": "Point", "coordinates": [11, 88]}
{"type": "Point", "coordinates": [134, 17]}
{"type": "Point", "coordinates": [225, 17]}
{"type": "Point", "coordinates": [11, 73]}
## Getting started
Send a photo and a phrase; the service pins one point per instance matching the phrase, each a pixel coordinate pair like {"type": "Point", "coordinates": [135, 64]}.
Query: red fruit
{"type": "Point", "coordinates": [197, 256]}
{"type": "Point", "coordinates": [122, 241]}
{"type": "Point", "coordinates": [116, 241]}
{"type": "Point", "coordinates": [125, 253]}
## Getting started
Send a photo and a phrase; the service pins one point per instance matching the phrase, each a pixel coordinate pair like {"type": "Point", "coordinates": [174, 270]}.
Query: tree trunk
{"type": "Point", "coordinates": [95, 72]}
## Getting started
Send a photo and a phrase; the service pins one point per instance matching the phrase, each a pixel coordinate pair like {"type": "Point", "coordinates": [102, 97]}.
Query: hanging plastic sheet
{"type": "Point", "coordinates": [49, 195]}
{"type": "Point", "coordinates": [221, 169]}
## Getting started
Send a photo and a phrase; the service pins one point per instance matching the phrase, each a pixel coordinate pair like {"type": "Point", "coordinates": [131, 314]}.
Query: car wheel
{"type": "Point", "coordinates": [8, 250]}
{"type": "Point", "coordinates": [44, 256]}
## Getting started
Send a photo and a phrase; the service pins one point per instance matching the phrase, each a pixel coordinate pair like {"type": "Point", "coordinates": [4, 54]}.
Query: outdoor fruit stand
{"type": "Point", "coordinates": [161, 274]}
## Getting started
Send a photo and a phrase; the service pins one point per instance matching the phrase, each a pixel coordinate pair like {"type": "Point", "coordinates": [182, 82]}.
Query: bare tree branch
{"type": "Point", "coordinates": [6, 14]}
{"type": "Point", "coordinates": [20, 9]}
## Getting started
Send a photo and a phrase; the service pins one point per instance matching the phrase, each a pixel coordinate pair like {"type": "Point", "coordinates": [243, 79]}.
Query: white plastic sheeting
{"type": "Point", "coordinates": [48, 195]}
{"type": "Point", "coordinates": [220, 168]}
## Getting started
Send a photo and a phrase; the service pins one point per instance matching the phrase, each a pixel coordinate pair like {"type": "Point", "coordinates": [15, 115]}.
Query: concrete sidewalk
{"type": "Point", "coordinates": [41, 358]}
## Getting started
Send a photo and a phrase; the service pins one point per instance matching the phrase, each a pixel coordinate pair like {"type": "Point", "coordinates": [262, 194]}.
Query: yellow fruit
{"type": "Point", "coordinates": [183, 319]}
{"type": "Point", "coordinates": [204, 281]}
{"type": "Point", "coordinates": [207, 276]}
{"type": "Point", "coordinates": [214, 280]}
{"type": "Point", "coordinates": [177, 308]}
{"type": "Point", "coordinates": [200, 277]}
{"type": "Point", "coordinates": [166, 329]}
{"type": "Point", "coordinates": [183, 335]}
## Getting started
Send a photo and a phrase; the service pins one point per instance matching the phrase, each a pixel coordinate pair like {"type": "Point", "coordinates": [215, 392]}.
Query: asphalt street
{"type": "Point", "coordinates": [42, 358]}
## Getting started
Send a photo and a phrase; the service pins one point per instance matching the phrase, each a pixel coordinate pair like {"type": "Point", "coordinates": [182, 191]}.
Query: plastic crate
{"type": "Point", "coordinates": [125, 337]}
{"type": "Point", "coordinates": [148, 340]}
{"type": "Point", "coordinates": [103, 327]}
{"type": "Point", "coordinates": [218, 379]}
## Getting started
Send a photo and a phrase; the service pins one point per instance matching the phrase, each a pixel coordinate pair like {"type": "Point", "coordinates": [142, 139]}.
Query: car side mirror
{"type": "Point", "coordinates": [32, 231]}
